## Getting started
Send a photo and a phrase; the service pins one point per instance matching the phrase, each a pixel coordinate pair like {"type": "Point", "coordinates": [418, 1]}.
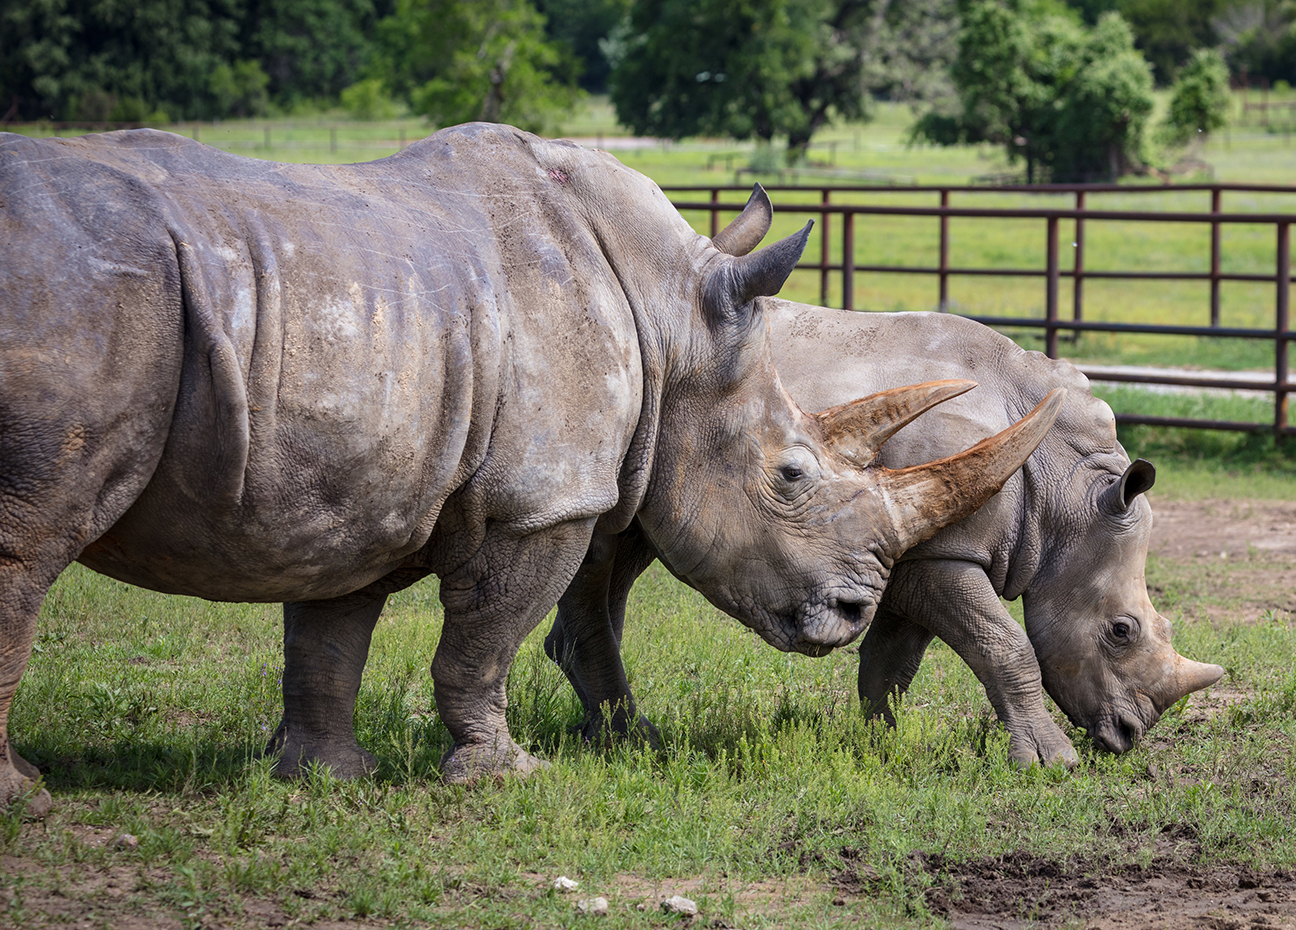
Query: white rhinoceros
{"type": "Point", "coordinates": [1068, 534]}
{"type": "Point", "coordinates": [252, 381]}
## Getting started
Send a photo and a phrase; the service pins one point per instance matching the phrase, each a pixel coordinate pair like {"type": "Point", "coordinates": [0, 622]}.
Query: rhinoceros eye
{"type": "Point", "coordinates": [792, 473]}
{"type": "Point", "coordinates": [1120, 631]}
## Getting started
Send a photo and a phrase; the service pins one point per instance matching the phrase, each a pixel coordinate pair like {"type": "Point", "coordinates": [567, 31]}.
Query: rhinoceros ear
{"type": "Point", "coordinates": [857, 430]}
{"type": "Point", "coordinates": [1138, 478]}
{"type": "Point", "coordinates": [927, 498]}
{"type": "Point", "coordinates": [762, 273]}
{"type": "Point", "coordinates": [746, 232]}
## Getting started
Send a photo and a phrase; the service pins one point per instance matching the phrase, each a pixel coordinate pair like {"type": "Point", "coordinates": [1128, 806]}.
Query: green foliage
{"type": "Point", "coordinates": [759, 68]}
{"type": "Point", "coordinates": [1167, 31]}
{"type": "Point", "coordinates": [584, 26]}
{"type": "Point", "coordinates": [240, 88]}
{"type": "Point", "coordinates": [59, 55]}
{"type": "Point", "coordinates": [310, 49]}
{"type": "Point", "coordinates": [1259, 38]}
{"type": "Point", "coordinates": [1070, 102]}
{"type": "Point", "coordinates": [1200, 100]}
{"type": "Point", "coordinates": [485, 60]}
{"type": "Point", "coordinates": [369, 100]}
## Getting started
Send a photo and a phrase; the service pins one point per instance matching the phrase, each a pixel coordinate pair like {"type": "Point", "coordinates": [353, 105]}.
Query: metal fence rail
{"type": "Point", "coordinates": [1281, 335]}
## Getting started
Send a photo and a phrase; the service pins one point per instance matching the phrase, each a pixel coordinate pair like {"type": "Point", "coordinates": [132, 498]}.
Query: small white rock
{"type": "Point", "coordinates": [678, 905]}
{"type": "Point", "coordinates": [564, 884]}
{"type": "Point", "coordinates": [595, 906]}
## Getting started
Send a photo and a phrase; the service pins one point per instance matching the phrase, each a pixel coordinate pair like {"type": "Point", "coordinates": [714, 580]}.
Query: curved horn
{"type": "Point", "coordinates": [750, 227]}
{"type": "Point", "coordinates": [1189, 676]}
{"type": "Point", "coordinates": [926, 498]}
{"type": "Point", "coordinates": [857, 430]}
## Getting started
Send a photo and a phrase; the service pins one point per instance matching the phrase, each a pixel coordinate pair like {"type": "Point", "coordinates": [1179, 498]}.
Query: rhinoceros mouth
{"type": "Point", "coordinates": [1116, 733]}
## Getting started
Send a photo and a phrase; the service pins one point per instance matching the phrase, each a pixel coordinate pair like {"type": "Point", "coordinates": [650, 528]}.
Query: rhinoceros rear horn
{"type": "Point", "coordinates": [746, 232]}
{"type": "Point", "coordinates": [926, 498]}
{"type": "Point", "coordinates": [857, 430]}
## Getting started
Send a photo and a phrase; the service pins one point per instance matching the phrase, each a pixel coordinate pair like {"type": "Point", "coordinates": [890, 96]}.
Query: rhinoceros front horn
{"type": "Point", "coordinates": [746, 232]}
{"type": "Point", "coordinates": [924, 499]}
{"type": "Point", "coordinates": [1189, 676]}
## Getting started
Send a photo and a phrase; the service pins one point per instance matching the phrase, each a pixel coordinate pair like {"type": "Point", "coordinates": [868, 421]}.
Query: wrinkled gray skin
{"type": "Point", "coordinates": [251, 381]}
{"type": "Point", "coordinates": [1068, 534]}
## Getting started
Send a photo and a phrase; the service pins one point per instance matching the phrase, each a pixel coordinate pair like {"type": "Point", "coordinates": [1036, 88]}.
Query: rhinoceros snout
{"type": "Point", "coordinates": [835, 624]}
{"type": "Point", "coordinates": [1117, 734]}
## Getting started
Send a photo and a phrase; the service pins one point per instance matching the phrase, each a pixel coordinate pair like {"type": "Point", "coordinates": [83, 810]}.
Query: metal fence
{"type": "Point", "coordinates": [1052, 273]}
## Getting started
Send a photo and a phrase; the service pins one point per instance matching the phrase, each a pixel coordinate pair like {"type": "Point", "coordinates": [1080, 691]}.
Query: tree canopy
{"type": "Point", "coordinates": [741, 68]}
{"type": "Point", "coordinates": [1071, 102]}
{"type": "Point", "coordinates": [484, 60]}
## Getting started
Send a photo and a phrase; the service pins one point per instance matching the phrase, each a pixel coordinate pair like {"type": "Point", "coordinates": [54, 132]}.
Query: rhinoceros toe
{"type": "Point", "coordinates": [22, 787]}
{"type": "Point", "coordinates": [343, 758]}
{"type": "Point", "coordinates": [465, 763]}
{"type": "Point", "coordinates": [1051, 749]}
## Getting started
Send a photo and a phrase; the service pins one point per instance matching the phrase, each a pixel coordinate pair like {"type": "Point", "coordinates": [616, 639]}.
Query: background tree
{"type": "Point", "coordinates": [114, 59]}
{"type": "Point", "coordinates": [1199, 102]}
{"type": "Point", "coordinates": [1167, 31]}
{"type": "Point", "coordinates": [1071, 102]}
{"type": "Point", "coordinates": [583, 26]}
{"type": "Point", "coordinates": [1259, 38]}
{"type": "Point", "coordinates": [310, 49]}
{"type": "Point", "coordinates": [742, 68]}
{"type": "Point", "coordinates": [481, 60]}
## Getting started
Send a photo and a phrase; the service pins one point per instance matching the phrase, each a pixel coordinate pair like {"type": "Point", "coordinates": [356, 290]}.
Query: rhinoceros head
{"type": "Point", "coordinates": [782, 518]}
{"type": "Point", "coordinates": [1103, 649]}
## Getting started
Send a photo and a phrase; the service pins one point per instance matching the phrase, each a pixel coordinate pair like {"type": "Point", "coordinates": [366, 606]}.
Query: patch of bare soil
{"type": "Point", "coordinates": [1021, 891]}
{"type": "Point", "coordinates": [1239, 555]}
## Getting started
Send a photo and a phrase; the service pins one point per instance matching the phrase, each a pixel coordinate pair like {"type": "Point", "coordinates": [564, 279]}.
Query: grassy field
{"type": "Point", "coordinates": [772, 804]}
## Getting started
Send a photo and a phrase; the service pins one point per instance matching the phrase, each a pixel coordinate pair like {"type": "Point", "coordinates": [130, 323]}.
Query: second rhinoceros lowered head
{"type": "Point", "coordinates": [1068, 534]}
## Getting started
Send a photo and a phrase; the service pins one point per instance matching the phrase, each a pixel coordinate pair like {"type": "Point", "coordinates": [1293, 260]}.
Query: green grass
{"type": "Point", "coordinates": [147, 713]}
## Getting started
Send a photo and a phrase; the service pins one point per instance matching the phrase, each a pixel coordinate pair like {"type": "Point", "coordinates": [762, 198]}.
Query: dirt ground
{"type": "Point", "coordinates": [1238, 558]}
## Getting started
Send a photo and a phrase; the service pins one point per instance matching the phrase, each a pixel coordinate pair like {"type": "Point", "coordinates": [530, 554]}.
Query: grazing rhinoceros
{"type": "Point", "coordinates": [1068, 534]}
{"type": "Point", "coordinates": [251, 381]}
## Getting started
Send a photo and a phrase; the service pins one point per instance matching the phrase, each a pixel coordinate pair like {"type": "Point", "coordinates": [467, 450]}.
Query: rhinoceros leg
{"type": "Point", "coordinates": [326, 644]}
{"type": "Point", "coordinates": [890, 653]}
{"type": "Point", "coordinates": [955, 601]}
{"type": "Point", "coordinates": [585, 639]}
{"type": "Point", "coordinates": [20, 599]}
{"type": "Point", "coordinates": [491, 603]}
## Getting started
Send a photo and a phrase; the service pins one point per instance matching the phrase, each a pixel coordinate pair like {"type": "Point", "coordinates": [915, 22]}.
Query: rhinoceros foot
{"type": "Point", "coordinates": [604, 729]}
{"type": "Point", "coordinates": [1042, 748]}
{"type": "Point", "coordinates": [344, 759]}
{"type": "Point", "coordinates": [465, 763]}
{"type": "Point", "coordinates": [21, 785]}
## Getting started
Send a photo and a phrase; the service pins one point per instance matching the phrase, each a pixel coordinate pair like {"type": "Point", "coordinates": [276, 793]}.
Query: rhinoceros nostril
{"type": "Point", "coordinates": [851, 613]}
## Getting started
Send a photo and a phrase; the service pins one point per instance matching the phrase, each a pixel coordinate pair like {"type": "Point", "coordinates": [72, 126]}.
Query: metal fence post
{"type": "Point", "coordinates": [848, 260]}
{"type": "Point", "coordinates": [1282, 323]}
{"type": "Point", "coordinates": [943, 304]}
{"type": "Point", "coordinates": [1051, 291]}
{"type": "Point", "coordinates": [715, 212]}
{"type": "Point", "coordinates": [1077, 288]}
{"type": "Point", "coordinates": [825, 196]}
{"type": "Point", "coordinates": [1215, 260]}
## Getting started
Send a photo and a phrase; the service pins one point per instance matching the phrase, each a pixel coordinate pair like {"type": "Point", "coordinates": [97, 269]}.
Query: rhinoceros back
{"type": "Point", "coordinates": [343, 336]}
